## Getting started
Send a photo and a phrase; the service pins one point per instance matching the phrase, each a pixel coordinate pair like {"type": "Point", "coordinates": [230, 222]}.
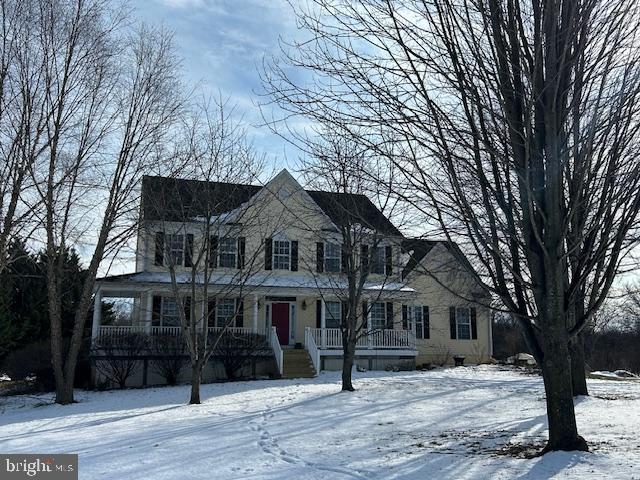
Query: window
{"type": "Point", "coordinates": [332, 257]}
{"type": "Point", "coordinates": [175, 249]}
{"type": "Point", "coordinates": [463, 323]}
{"type": "Point", "coordinates": [333, 314]}
{"type": "Point", "coordinates": [227, 252]}
{"type": "Point", "coordinates": [378, 316]}
{"type": "Point", "coordinates": [225, 310]}
{"type": "Point", "coordinates": [169, 316]}
{"type": "Point", "coordinates": [377, 260]}
{"type": "Point", "coordinates": [416, 317]}
{"type": "Point", "coordinates": [281, 254]}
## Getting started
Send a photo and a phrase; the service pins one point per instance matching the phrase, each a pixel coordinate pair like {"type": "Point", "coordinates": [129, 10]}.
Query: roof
{"type": "Point", "coordinates": [258, 279]}
{"type": "Point", "coordinates": [176, 199]}
{"type": "Point", "coordinates": [418, 248]}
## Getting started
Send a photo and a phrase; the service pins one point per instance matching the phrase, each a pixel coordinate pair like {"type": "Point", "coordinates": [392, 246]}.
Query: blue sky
{"type": "Point", "coordinates": [223, 43]}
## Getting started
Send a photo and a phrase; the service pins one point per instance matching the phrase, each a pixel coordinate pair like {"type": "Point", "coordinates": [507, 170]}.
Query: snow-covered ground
{"type": "Point", "coordinates": [462, 423]}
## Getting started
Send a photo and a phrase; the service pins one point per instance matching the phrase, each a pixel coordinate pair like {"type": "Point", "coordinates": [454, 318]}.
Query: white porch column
{"type": "Point", "coordinates": [148, 317]}
{"type": "Point", "coordinates": [323, 324]}
{"type": "Point", "coordinates": [369, 338]}
{"type": "Point", "coordinates": [254, 319]}
{"type": "Point", "coordinates": [97, 315]}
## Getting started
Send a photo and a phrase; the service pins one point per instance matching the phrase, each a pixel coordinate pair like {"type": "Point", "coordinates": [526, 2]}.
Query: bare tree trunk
{"type": "Point", "coordinates": [347, 364]}
{"type": "Point", "coordinates": [578, 370]}
{"type": "Point", "coordinates": [196, 378]}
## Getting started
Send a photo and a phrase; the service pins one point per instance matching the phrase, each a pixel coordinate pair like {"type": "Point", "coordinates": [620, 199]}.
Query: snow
{"type": "Point", "coordinates": [455, 423]}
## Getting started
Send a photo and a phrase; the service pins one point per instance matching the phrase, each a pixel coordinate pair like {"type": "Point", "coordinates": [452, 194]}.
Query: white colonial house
{"type": "Point", "coordinates": [275, 269]}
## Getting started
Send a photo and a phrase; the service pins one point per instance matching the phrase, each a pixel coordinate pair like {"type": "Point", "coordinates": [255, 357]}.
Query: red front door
{"type": "Point", "coordinates": [280, 320]}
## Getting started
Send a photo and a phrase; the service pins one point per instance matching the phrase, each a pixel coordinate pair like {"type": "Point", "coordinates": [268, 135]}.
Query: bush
{"type": "Point", "coordinates": [169, 356]}
{"type": "Point", "coordinates": [118, 357]}
{"type": "Point", "coordinates": [34, 360]}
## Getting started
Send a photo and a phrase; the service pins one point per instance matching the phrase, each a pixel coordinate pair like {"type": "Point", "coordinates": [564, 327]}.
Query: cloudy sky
{"type": "Point", "coordinates": [223, 43]}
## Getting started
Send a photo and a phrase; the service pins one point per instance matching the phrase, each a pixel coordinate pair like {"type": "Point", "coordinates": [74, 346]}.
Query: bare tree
{"type": "Point", "coordinates": [117, 358]}
{"type": "Point", "coordinates": [22, 121]}
{"type": "Point", "coordinates": [515, 126]}
{"type": "Point", "coordinates": [212, 218]}
{"type": "Point", "coordinates": [112, 96]}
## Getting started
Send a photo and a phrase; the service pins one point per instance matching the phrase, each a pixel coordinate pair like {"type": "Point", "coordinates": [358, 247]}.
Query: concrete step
{"type": "Point", "coordinates": [297, 364]}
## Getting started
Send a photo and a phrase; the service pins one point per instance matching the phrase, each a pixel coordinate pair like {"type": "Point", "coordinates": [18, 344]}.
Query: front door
{"type": "Point", "coordinates": [280, 320]}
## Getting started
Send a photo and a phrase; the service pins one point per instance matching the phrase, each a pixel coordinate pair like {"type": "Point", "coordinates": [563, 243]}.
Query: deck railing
{"type": "Point", "coordinates": [277, 349]}
{"type": "Point", "coordinates": [113, 330]}
{"type": "Point", "coordinates": [331, 338]}
{"type": "Point", "coordinates": [312, 348]}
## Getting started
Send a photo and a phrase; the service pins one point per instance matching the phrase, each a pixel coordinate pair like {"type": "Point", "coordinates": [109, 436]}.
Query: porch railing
{"type": "Point", "coordinates": [113, 330]}
{"type": "Point", "coordinates": [378, 339]}
{"type": "Point", "coordinates": [277, 349]}
{"type": "Point", "coordinates": [312, 348]}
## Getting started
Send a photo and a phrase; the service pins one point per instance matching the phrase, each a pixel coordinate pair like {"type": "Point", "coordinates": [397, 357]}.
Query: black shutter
{"type": "Point", "coordinates": [388, 260]}
{"type": "Point", "coordinates": [212, 313]}
{"type": "Point", "coordinates": [318, 313]}
{"type": "Point", "coordinates": [213, 251]}
{"type": "Point", "coordinates": [187, 309]}
{"type": "Point", "coordinates": [343, 313]}
{"type": "Point", "coordinates": [159, 254]}
{"type": "Point", "coordinates": [405, 317]}
{"type": "Point", "coordinates": [188, 251]}
{"type": "Point", "coordinates": [242, 247]}
{"type": "Point", "coordinates": [343, 258]}
{"type": "Point", "coordinates": [268, 253]}
{"type": "Point", "coordinates": [294, 256]}
{"type": "Point", "coordinates": [474, 324]}
{"type": "Point", "coordinates": [156, 310]}
{"type": "Point", "coordinates": [239, 312]}
{"type": "Point", "coordinates": [319, 257]}
{"type": "Point", "coordinates": [390, 315]}
{"type": "Point", "coordinates": [425, 316]}
{"type": "Point", "coordinates": [364, 258]}
{"type": "Point", "coordinates": [365, 323]}
{"type": "Point", "coordinates": [452, 322]}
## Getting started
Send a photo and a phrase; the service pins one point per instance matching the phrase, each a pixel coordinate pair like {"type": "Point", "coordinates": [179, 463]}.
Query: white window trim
{"type": "Point", "coordinates": [235, 252]}
{"type": "Point", "coordinates": [328, 317]}
{"type": "Point", "coordinates": [273, 254]}
{"type": "Point", "coordinates": [337, 257]}
{"type": "Point", "coordinates": [162, 311]}
{"type": "Point", "coordinates": [383, 265]}
{"type": "Point", "coordinates": [218, 304]}
{"type": "Point", "coordinates": [384, 310]}
{"type": "Point", "coordinates": [468, 309]}
{"type": "Point", "coordinates": [168, 248]}
{"type": "Point", "coordinates": [412, 311]}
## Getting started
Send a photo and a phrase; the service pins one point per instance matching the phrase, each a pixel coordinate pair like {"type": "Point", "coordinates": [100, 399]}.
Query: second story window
{"type": "Point", "coordinates": [281, 255]}
{"type": "Point", "coordinates": [228, 250]}
{"type": "Point", "coordinates": [175, 248]}
{"type": "Point", "coordinates": [332, 257]}
{"type": "Point", "coordinates": [377, 259]}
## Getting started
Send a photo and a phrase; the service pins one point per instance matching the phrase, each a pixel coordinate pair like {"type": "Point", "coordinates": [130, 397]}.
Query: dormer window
{"type": "Point", "coordinates": [281, 255]}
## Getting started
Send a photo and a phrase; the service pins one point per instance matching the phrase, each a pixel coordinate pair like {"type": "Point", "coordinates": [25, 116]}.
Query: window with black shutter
{"type": "Point", "coordinates": [239, 312]}
{"type": "Point", "coordinates": [452, 323]}
{"type": "Point", "coordinates": [425, 320]}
